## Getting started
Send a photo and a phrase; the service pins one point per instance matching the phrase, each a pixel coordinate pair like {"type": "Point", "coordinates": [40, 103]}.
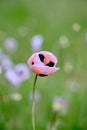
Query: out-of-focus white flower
{"type": "Point", "coordinates": [58, 104]}
{"type": "Point", "coordinates": [76, 27]}
{"type": "Point", "coordinates": [36, 42]}
{"type": "Point", "coordinates": [16, 96]}
{"type": "Point", "coordinates": [11, 44]}
{"type": "Point", "coordinates": [68, 67]}
{"type": "Point", "coordinates": [18, 74]}
{"type": "Point", "coordinates": [22, 71]}
{"type": "Point", "coordinates": [12, 77]}
{"type": "Point", "coordinates": [37, 96]}
{"type": "Point", "coordinates": [6, 62]}
{"type": "Point", "coordinates": [64, 41]}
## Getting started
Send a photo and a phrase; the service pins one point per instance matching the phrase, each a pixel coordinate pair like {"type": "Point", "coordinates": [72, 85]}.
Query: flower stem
{"type": "Point", "coordinates": [33, 103]}
{"type": "Point", "coordinates": [53, 121]}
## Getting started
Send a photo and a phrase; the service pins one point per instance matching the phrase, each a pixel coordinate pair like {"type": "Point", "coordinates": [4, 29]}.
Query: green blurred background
{"type": "Point", "coordinates": [63, 25]}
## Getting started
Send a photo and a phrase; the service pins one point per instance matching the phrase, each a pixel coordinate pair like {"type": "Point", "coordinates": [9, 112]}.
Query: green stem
{"type": "Point", "coordinates": [53, 121]}
{"type": "Point", "coordinates": [33, 103]}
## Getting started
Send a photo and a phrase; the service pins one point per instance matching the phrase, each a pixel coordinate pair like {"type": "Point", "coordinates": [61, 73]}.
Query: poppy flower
{"type": "Point", "coordinates": [43, 63]}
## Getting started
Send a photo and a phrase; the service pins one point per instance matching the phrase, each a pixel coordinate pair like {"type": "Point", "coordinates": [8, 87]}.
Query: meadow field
{"type": "Point", "coordinates": [58, 26]}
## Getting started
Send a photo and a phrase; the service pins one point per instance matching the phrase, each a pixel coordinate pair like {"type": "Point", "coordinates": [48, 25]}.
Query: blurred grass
{"type": "Point", "coordinates": [52, 19]}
